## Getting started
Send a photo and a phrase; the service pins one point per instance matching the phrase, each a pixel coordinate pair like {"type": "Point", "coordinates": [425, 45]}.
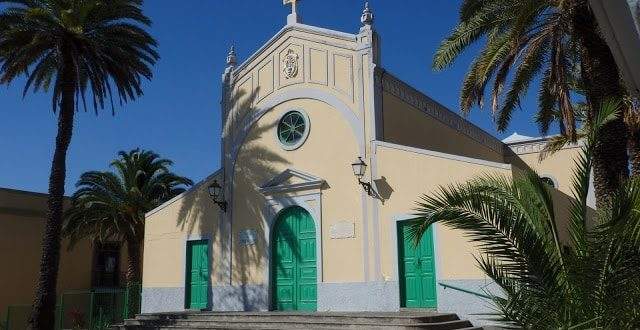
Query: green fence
{"type": "Point", "coordinates": [95, 309]}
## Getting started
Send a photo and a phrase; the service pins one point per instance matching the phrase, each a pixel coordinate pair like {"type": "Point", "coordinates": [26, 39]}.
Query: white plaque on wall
{"type": "Point", "coordinates": [342, 229]}
{"type": "Point", "coordinates": [247, 237]}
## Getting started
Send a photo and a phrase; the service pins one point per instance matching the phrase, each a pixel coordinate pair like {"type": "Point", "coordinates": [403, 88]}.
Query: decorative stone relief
{"type": "Point", "coordinates": [342, 229]}
{"type": "Point", "coordinates": [247, 237]}
{"type": "Point", "coordinates": [290, 64]}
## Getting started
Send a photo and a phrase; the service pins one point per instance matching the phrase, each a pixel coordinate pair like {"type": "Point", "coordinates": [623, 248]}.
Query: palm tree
{"type": "Point", "coordinates": [112, 205]}
{"type": "Point", "coordinates": [72, 47]}
{"type": "Point", "coordinates": [632, 118]}
{"type": "Point", "coordinates": [556, 40]}
{"type": "Point", "coordinates": [587, 281]}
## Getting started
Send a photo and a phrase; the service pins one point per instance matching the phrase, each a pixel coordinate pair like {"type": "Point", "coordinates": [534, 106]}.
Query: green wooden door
{"type": "Point", "coordinates": [293, 255]}
{"type": "Point", "coordinates": [416, 268]}
{"type": "Point", "coordinates": [197, 286]}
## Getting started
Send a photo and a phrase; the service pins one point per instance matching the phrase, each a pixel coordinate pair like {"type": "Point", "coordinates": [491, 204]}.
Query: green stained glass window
{"type": "Point", "coordinates": [292, 129]}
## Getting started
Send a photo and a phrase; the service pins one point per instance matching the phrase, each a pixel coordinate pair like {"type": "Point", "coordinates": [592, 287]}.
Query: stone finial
{"type": "Point", "coordinates": [367, 15]}
{"type": "Point", "coordinates": [231, 57]}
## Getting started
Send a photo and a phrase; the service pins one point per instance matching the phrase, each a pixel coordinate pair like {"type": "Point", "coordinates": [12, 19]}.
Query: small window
{"type": "Point", "coordinates": [106, 267]}
{"type": "Point", "coordinates": [293, 129]}
{"type": "Point", "coordinates": [549, 181]}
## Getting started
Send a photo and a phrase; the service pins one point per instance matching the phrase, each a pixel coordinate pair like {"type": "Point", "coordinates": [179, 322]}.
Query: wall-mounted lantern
{"type": "Point", "coordinates": [359, 167]}
{"type": "Point", "coordinates": [216, 192]}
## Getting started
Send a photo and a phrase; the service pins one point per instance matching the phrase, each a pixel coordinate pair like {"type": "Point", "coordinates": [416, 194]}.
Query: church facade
{"type": "Point", "coordinates": [324, 154]}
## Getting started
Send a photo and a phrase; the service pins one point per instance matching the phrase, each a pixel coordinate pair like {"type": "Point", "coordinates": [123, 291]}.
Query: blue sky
{"type": "Point", "coordinates": [179, 115]}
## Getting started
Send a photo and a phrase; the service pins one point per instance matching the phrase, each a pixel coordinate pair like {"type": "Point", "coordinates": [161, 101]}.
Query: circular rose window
{"type": "Point", "coordinates": [293, 129]}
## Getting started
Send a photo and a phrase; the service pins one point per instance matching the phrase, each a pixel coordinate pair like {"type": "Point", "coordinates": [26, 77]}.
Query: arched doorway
{"type": "Point", "coordinates": [293, 261]}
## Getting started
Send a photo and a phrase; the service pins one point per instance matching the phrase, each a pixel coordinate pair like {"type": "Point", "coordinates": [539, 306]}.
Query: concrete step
{"type": "Point", "coordinates": [313, 324]}
{"type": "Point", "coordinates": [296, 320]}
{"type": "Point", "coordinates": [380, 318]}
{"type": "Point", "coordinates": [250, 328]}
{"type": "Point", "coordinates": [308, 327]}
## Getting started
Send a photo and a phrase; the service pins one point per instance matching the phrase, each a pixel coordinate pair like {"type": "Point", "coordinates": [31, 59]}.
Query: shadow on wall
{"type": "Point", "coordinates": [255, 165]}
{"type": "Point", "coordinates": [382, 189]}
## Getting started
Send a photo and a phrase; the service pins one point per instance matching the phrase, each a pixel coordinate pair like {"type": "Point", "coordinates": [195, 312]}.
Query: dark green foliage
{"type": "Point", "coordinates": [105, 41]}
{"type": "Point", "coordinates": [523, 39]}
{"type": "Point", "coordinates": [73, 48]}
{"type": "Point", "coordinates": [588, 281]}
{"type": "Point", "coordinates": [111, 205]}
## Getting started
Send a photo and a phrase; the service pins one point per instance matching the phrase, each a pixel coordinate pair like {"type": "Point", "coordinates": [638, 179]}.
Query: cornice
{"type": "Point", "coordinates": [417, 99]}
{"type": "Point", "coordinates": [536, 146]}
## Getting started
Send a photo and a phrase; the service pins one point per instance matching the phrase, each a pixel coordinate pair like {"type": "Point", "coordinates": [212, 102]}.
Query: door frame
{"type": "Point", "coordinates": [271, 247]}
{"type": "Point", "coordinates": [192, 238]}
{"type": "Point", "coordinates": [396, 266]}
{"type": "Point", "coordinates": [273, 209]}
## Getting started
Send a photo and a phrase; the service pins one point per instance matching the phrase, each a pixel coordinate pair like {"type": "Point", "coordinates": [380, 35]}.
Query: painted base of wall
{"type": "Point", "coordinates": [156, 300]}
{"type": "Point", "coordinates": [340, 297]}
{"type": "Point", "coordinates": [351, 296]}
{"type": "Point", "coordinates": [358, 296]}
{"type": "Point", "coordinates": [249, 297]}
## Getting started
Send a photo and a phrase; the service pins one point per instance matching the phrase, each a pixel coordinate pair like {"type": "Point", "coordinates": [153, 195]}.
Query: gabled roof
{"type": "Point", "coordinates": [515, 137]}
{"type": "Point", "coordinates": [295, 27]}
{"type": "Point", "coordinates": [189, 191]}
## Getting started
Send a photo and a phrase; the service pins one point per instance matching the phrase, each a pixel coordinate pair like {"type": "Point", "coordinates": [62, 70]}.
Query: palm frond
{"type": "Point", "coordinates": [108, 205]}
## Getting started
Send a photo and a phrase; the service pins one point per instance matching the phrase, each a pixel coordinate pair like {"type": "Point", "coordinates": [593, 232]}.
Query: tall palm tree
{"type": "Point", "coordinates": [111, 205]}
{"type": "Point", "coordinates": [74, 48]}
{"type": "Point", "coordinates": [555, 40]}
{"type": "Point", "coordinates": [586, 282]}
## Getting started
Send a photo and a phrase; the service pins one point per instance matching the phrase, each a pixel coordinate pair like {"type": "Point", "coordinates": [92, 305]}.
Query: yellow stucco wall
{"type": "Point", "coordinates": [22, 218]}
{"type": "Point", "coordinates": [409, 175]}
{"type": "Point", "coordinates": [406, 125]}
{"type": "Point", "coordinates": [192, 215]}
{"type": "Point", "coordinates": [559, 166]}
{"type": "Point", "coordinates": [329, 149]}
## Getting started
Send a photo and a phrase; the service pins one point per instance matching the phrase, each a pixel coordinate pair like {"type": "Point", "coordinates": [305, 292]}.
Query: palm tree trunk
{"type": "Point", "coordinates": [634, 151]}
{"type": "Point", "coordinates": [134, 275]}
{"type": "Point", "coordinates": [43, 313]}
{"type": "Point", "coordinates": [602, 82]}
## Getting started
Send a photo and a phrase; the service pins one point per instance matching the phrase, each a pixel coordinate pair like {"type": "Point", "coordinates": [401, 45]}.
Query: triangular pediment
{"type": "Point", "coordinates": [291, 180]}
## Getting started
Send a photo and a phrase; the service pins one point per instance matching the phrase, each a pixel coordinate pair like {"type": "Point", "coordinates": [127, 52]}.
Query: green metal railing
{"type": "Point", "coordinates": [449, 286]}
{"type": "Point", "coordinates": [96, 309]}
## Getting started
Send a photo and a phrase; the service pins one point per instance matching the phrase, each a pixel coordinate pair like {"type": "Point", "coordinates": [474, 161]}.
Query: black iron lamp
{"type": "Point", "coordinates": [359, 167]}
{"type": "Point", "coordinates": [216, 192]}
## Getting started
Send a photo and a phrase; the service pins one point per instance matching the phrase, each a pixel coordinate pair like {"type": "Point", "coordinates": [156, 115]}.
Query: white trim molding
{"type": "Point", "coordinates": [535, 145]}
{"type": "Point", "coordinates": [190, 190]}
{"type": "Point", "coordinates": [622, 33]}
{"type": "Point", "coordinates": [305, 134]}
{"type": "Point", "coordinates": [312, 203]}
{"type": "Point", "coordinates": [438, 154]}
{"type": "Point", "coordinates": [278, 183]}
{"type": "Point", "coordinates": [295, 94]}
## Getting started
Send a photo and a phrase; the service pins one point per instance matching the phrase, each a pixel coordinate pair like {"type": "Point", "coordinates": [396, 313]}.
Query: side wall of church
{"type": "Point", "coordinates": [405, 175]}
{"type": "Point", "coordinates": [415, 120]}
{"type": "Point", "coordinates": [189, 217]}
